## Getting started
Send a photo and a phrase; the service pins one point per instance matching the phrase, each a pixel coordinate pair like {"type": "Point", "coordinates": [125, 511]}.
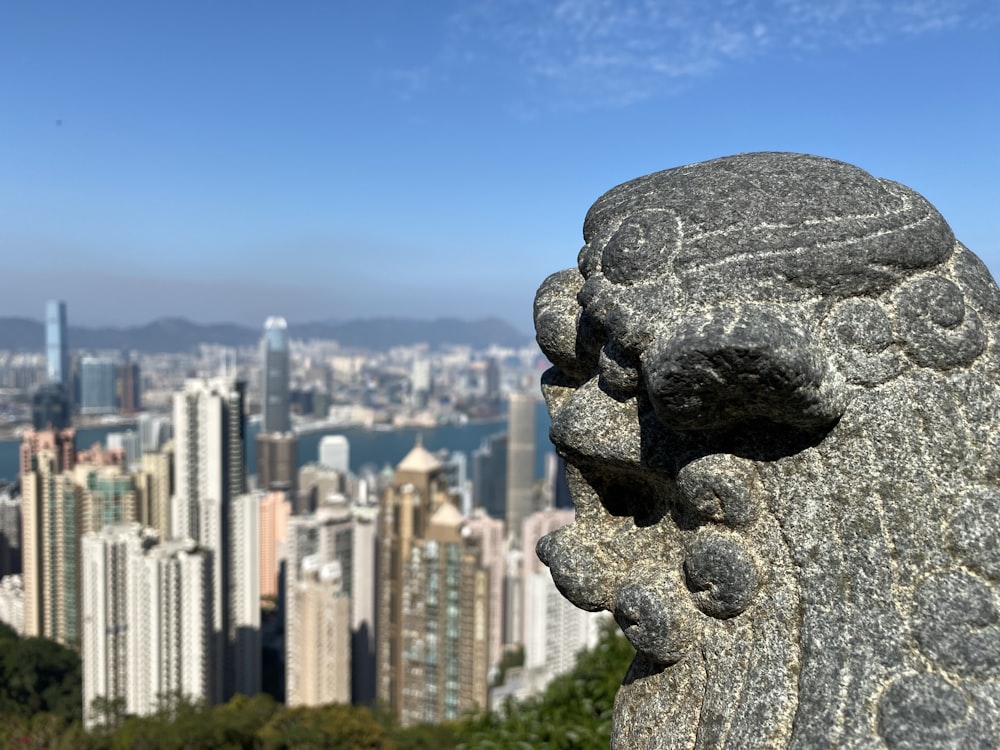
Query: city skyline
{"type": "Point", "coordinates": [397, 160]}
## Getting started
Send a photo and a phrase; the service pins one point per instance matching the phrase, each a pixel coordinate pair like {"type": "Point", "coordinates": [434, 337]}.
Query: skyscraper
{"type": "Point", "coordinates": [147, 620]}
{"type": "Point", "coordinates": [50, 408]}
{"type": "Point", "coordinates": [105, 558]}
{"type": "Point", "coordinates": [520, 460]}
{"type": "Point", "coordinates": [243, 652]}
{"type": "Point", "coordinates": [275, 510]}
{"type": "Point", "coordinates": [335, 453]}
{"type": "Point", "coordinates": [489, 476]}
{"type": "Point", "coordinates": [276, 463]}
{"type": "Point", "coordinates": [170, 632]}
{"type": "Point", "coordinates": [10, 533]}
{"type": "Point", "coordinates": [129, 388]}
{"type": "Point", "coordinates": [156, 478]}
{"type": "Point", "coordinates": [209, 475]}
{"type": "Point", "coordinates": [52, 404]}
{"type": "Point", "coordinates": [490, 532]}
{"type": "Point", "coordinates": [274, 376]}
{"type": "Point", "coordinates": [433, 599]}
{"type": "Point", "coordinates": [56, 345]}
{"type": "Point", "coordinates": [98, 377]}
{"type": "Point", "coordinates": [324, 536]}
{"type": "Point", "coordinates": [50, 513]}
{"type": "Point", "coordinates": [319, 667]}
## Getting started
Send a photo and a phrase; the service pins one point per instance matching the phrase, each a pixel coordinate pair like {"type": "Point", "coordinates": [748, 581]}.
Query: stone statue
{"type": "Point", "coordinates": [775, 386]}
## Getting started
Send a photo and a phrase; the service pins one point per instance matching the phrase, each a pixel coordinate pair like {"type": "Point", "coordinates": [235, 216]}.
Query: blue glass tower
{"type": "Point", "coordinates": [56, 345]}
{"type": "Point", "coordinates": [274, 376]}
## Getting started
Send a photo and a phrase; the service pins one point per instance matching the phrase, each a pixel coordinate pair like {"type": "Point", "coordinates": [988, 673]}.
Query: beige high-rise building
{"type": "Point", "coordinates": [317, 485]}
{"type": "Point", "coordinates": [321, 537]}
{"type": "Point", "coordinates": [156, 479]}
{"type": "Point", "coordinates": [319, 667]}
{"type": "Point", "coordinates": [433, 642]}
{"type": "Point", "coordinates": [66, 495]}
{"type": "Point", "coordinates": [490, 532]}
{"type": "Point", "coordinates": [108, 494]}
{"type": "Point", "coordinates": [51, 521]}
{"type": "Point", "coordinates": [520, 460]}
{"type": "Point", "coordinates": [275, 510]}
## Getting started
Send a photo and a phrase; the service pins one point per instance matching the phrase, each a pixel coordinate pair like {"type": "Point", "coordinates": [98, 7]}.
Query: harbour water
{"type": "Point", "coordinates": [368, 447]}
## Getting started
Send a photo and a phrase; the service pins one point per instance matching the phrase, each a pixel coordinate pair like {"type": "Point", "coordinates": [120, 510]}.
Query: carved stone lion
{"type": "Point", "coordinates": [775, 385]}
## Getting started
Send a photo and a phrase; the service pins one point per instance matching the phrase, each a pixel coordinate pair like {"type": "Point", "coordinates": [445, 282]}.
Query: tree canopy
{"type": "Point", "coordinates": [40, 692]}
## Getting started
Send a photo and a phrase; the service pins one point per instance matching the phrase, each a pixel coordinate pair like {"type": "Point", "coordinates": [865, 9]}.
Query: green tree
{"type": "Point", "coordinates": [333, 727]}
{"type": "Point", "coordinates": [574, 712]}
{"type": "Point", "coordinates": [38, 676]}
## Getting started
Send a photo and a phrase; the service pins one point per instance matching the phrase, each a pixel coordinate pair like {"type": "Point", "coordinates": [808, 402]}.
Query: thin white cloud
{"type": "Point", "coordinates": [606, 53]}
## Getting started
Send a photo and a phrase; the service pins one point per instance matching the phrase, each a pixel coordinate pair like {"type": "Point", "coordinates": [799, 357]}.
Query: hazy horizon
{"type": "Point", "coordinates": [228, 162]}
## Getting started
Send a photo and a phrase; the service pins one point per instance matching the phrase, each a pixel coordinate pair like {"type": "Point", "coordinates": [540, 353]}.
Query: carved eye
{"type": "Point", "coordinates": [938, 329]}
{"type": "Point", "coordinates": [642, 248]}
{"type": "Point", "coordinates": [860, 336]}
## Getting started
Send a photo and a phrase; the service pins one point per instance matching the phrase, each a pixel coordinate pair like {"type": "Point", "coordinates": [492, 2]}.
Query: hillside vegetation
{"type": "Point", "coordinates": [40, 706]}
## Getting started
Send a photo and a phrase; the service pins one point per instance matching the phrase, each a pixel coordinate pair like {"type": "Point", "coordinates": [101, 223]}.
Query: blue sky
{"type": "Point", "coordinates": [226, 161]}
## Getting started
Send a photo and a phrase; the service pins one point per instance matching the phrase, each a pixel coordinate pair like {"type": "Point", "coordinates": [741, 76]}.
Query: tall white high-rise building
{"type": "Point", "coordinates": [244, 594]}
{"type": "Point", "coordinates": [170, 638]}
{"type": "Point", "coordinates": [147, 620]}
{"type": "Point", "coordinates": [363, 603]}
{"type": "Point", "coordinates": [10, 533]}
{"type": "Point", "coordinates": [154, 431]}
{"type": "Point", "coordinates": [209, 474]}
{"type": "Point", "coordinates": [554, 630]}
{"type": "Point", "coordinates": [105, 558]}
{"type": "Point", "coordinates": [335, 453]}
{"type": "Point", "coordinates": [420, 382]}
{"type": "Point", "coordinates": [12, 601]}
{"type": "Point", "coordinates": [274, 376]}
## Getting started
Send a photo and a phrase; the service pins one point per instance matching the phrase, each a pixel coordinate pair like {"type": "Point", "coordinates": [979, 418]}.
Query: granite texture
{"type": "Point", "coordinates": [775, 384]}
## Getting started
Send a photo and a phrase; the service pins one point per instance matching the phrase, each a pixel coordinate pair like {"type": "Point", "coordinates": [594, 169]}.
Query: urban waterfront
{"type": "Point", "coordinates": [368, 447]}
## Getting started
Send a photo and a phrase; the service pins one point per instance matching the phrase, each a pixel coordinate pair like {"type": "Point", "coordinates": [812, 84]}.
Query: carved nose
{"type": "Point", "coordinates": [582, 426]}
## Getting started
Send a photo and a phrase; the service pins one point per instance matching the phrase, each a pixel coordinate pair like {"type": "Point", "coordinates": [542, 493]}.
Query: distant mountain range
{"type": "Point", "coordinates": [179, 335]}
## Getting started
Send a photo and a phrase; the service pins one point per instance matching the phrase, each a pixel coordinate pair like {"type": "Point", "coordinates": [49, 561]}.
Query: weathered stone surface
{"type": "Point", "coordinates": [775, 384]}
